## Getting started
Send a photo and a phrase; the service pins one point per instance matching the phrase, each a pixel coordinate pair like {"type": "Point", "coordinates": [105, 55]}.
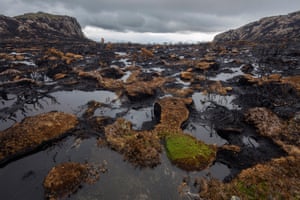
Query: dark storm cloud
{"type": "Point", "coordinates": [157, 15]}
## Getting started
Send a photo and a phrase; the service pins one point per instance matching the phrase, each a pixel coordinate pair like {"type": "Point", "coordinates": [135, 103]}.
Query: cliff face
{"type": "Point", "coordinates": [276, 28]}
{"type": "Point", "coordinates": [40, 25]}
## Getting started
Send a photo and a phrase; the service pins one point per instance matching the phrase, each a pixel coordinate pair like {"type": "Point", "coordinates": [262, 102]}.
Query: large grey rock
{"type": "Point", "coordinates": [276, 28]}
{"type": "Point", "coordinates": [40, 25]}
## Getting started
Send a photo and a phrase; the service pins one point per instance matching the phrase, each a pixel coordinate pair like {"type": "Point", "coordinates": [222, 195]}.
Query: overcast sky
{"type": "Point", "coordinates": [155, 20]}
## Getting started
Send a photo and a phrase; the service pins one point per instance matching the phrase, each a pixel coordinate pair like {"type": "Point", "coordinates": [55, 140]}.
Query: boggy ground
{"type": "Point", "coordinates": [246, 94]}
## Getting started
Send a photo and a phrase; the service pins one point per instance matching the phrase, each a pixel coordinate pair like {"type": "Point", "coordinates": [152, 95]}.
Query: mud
{"type": "Point", "coordinates": [203, 90]}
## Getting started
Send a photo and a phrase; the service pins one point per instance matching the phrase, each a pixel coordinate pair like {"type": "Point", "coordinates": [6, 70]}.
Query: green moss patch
{"type": "Point", "coordinates": [188, 153]}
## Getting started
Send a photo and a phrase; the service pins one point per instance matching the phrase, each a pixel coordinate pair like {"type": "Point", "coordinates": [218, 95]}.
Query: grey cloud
{"type": "Point", "coordinates": [157, 15]}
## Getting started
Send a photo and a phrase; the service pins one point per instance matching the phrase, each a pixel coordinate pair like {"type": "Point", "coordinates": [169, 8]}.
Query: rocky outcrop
{"type": "Point", "coordinates": [40, 25]}
{"type": "Point", "coordinates": [276, 28]}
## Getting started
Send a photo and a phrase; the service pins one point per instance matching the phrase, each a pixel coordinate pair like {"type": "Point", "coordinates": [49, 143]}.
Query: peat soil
{"type": "Point", "coordinates": [127, 79]}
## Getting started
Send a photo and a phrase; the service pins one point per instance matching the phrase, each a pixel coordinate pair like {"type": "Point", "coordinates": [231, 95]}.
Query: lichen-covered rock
{"type": "Point", "coordinates": [142, 148]}
{"type": "Point", "coordinates": [32, 132]}
{"type": "Point", "coordinates": [188, 153]}
{"type": "Point", "coordinates": [66, 178]}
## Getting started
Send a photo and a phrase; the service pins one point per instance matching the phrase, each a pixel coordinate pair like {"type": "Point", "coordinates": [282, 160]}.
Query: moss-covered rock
{"type": "Point", "coordinates": [32, 132]}
{"type": "Point", "coordinates": [188, 153]}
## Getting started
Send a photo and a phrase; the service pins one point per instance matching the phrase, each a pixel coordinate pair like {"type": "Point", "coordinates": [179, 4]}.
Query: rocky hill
{"type": "Point", "coordinates": [276, 28]}
{"type": "Point", "coordinates": [40, 25]}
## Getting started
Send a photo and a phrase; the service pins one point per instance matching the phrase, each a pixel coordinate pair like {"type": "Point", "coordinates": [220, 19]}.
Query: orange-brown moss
{"type": "Point", "coordinates": [34, 131]}
{"type": "Point", "coordinates": [292, 80]}
{"type": "Point", "coordinates": [217, 87]}
{"type": "Point", "coordinates": [173, 112]}
{"type": "Point", "coordinates": [142, 148]}
{"type": "Point", "coordinates": [55, 54]}
{"type": "Point", "coordinates": [276, 179]}
{"type": "Point", "coordinates": [284, 133]}
{"type": "Point", "coordinates": [66, 178]}
{"type": "Point", "coordinates": [183, 93]}
{"type": "Point", "coordinates": [205, 65]}
{"type": "Point", "coordinates": [146, 53]}
{"type": "Point", "coordinates": [140, 89]}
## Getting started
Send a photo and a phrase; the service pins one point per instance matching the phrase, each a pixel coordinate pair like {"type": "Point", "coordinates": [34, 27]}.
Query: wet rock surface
{"type": "Point", "coordinates": [127, 101]}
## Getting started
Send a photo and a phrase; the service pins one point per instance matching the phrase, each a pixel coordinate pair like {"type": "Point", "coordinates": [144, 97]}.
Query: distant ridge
{"type": "Point", "coordinates": [276, 28]}
{"type": "Point", "coordinates": [40, 25]}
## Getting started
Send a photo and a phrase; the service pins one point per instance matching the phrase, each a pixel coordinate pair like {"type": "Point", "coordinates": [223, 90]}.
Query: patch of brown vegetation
{"type": "Point", "coordinates": [66, 178]}
{"type": "Point", "coordinates": [186, 75]}
{"type": "Point", "coordinates": [59, 76]}
{"type": "Point", "coordinates": [140, 89]}
{"type": "Point", "coordinates": [217, 87]}
{"type": "Point", "coordinates": [292, 80]}
{"type": "Point", "coordinates": [276, 179]}
{"type": "Point", "coordinates": [146, 53]}
{"type": "Point", "coordinates": [204, 65]}
{"type": "Point", "coordinates": [172, 113]}
{"type": "Point", "coordinates": [185, 92]}
{"type": "Point", "coordinates": [33, 131]}
{"type": "Point", "coordinates": [107, 83]}
{"type": "Point", "coordinates": [55, 54]}
{"type": "Point", "coordinates": [284, 133]}
{"type": "Point", "coordinates": [142, 148]}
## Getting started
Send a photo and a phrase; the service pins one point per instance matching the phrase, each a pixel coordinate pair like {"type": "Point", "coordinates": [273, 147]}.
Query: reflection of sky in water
{"type": "Point", "coordinates": [226, 76]}
{"type": "Point", "coordinates": [122, 181]}
{"type": "Point", "coordinates": [138, 117]}
{"type": "Point", "coordinates": [65, 101]}
{"type": "Point", "coordinates": [126, 76]}
{"type": "Point", "coordinates": [204, 133]}
{"type": "Point", "coordinates": [201, 101]}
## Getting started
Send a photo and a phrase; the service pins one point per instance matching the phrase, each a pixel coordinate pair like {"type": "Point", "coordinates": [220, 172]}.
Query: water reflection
{"type": "Point", "coordinates": [122, 181]}
{"type": "Point", "coordinates": [202, 101]}
{"type": "Point", "coordinates": [204, 133]}
{"type": "Point", "coordinates": [33, 102]}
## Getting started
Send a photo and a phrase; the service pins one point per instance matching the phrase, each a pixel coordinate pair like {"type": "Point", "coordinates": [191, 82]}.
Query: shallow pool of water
{"type": "Point", "coordinates": [17, 108]}
{"type": "Point", "coordinates": [202, 101]}
{"type": "Point", "coordinates": [23, 178]}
